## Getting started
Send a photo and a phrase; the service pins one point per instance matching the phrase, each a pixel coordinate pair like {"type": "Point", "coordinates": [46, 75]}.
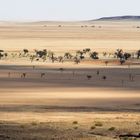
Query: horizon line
{"type": "Point", "coordinates": [47, 20]}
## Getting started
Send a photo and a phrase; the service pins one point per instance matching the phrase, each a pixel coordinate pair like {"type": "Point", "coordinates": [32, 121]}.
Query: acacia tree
{"type": "Point", "coordinates": [52, 57]}
{"type": "Point", "coordinates": [127, 55]}
{"type": "Point", "coordinates": [1, 53]}
{"type": "Point", "coordinates": [122, 56]}
{"type": "Point", "coordinates": [122, 60]}
{"type": "Point", "coordinates": [138, 54]}
{"type": "Point", "coordinates": [76, 60]}
{"type": "Point", "coordinates": [94, 55]}
{"type": "Point", "coordinates": [32, 57]}
{"type": "Point", "coordinates": [119, 53]}
{"type": "Point", "coordinates": [60, 59]}
{"type": "Point", "coordinates": [67, 55]}
{"type": "Point", "coordinates": [87, 50]}
{"type": "Point", "coordinates": [5, 55]}
{"type": "Point", "coordinates": [104, 54]}
{"type": "Point", "coordinates": [41, 54]}
{"type": "Point", "coordinates": [80, 54]}
{"type": "Point", "coordinates": [25, 51]}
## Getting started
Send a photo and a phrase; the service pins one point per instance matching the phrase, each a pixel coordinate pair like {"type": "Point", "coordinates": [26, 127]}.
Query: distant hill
{"type": "Point", "coordinates": [120, 18]}
{"type": "Point", "coordinates": [57, 23]}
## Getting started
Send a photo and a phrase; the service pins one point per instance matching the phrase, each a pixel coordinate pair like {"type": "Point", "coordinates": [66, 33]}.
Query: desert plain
{"type": "Point", "coordinates": [94, 99]}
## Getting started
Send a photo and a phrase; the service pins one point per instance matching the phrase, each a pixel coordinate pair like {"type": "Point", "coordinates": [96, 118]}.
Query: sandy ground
{"type": "Point", "coordinates": [40, 36]}
{"type": "Point", "coordinates": [62, 102]}
{"type": "Point", "coordinates": [66, 105]}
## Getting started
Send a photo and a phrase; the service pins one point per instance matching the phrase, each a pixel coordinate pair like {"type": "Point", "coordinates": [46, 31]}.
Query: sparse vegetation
{"type": "Point", "coordinates": [99, 124]}
{"type": "Point", "coordinates": [111, 128]}
{"type": "Point", "coordinates": [89, 77]}
{"type": "Point", "coordinates": [75, 127]}
{"type": "Point", "coordinates": [34, 123]}
{"type": "Point", "coordinates": [104, 77]}
{"type": "Point", "coordinates": [106, 63]}
{"type": "Point", "coordinates": [75, 122]}
{"type": "Point", "coordinates": [94, 55]}
{"type": "Point", "coordinates": [92, 127]}
{"type": "Point", "coordinates": [71, 80]}
{"type": "Point", "coordinates": [81, 55]}
{"type": "Point", "coordinates": [22, 126]}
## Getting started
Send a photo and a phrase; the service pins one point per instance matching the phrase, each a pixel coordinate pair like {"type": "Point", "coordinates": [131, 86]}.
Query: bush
{"type": "Point", "coordinates": [75, 127]}
{"type": "Point", "coordinates": [111, 128]}
{"type": "Point", "coordinates": [75, 122]}
{"type": "Point", "coordinates": [22, 126]}
{"type": "Point", "coordinates": [98, 124]}
{"type": "Point", "coordinates": [92, 127]}
{"type": "Point", "coordinates": [34, 123]}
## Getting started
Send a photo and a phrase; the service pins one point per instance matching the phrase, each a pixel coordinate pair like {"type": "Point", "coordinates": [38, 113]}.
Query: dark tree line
{"type": "Point", "coordinates": [79, 55]}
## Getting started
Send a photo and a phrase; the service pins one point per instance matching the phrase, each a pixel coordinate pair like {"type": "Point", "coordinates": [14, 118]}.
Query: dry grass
{"type": "Point", "coordinates": [64, 129]}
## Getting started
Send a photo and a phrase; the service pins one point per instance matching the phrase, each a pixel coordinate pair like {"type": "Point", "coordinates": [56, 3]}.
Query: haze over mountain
{"type": "Point", "coordinates": [114, 18]}
{"type": "Point", "coordinates": [120, 18]}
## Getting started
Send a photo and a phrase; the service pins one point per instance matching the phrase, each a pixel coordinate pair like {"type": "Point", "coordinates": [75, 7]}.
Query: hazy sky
{"type": "Point", "coordinates": [66, 9]}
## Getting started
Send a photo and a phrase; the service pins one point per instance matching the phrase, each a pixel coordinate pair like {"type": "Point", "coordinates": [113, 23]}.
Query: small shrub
{"type": "Point", "coordinates": [106, 62]}
{"type": "Point", "coordinates": [75, 122]}
{"type": "Point", "coordinates": [75, 127]}
{"type": "Point", "coordinates": [98, 124]}
{"type": "Point", "coordinates": [22, 126]}
{"type": "Point", "coordinates": [34, 123]}
{"type": "Point", "coordinates": [104, 77]}
{"type": "Point", "coordinates": [125, 138]}
{"type": "Point", "coordinates": [92, 127]}
{"type": "Point", "coordinates": [111, 128]}
{"type": "Point", "coordinates": [89, 77]}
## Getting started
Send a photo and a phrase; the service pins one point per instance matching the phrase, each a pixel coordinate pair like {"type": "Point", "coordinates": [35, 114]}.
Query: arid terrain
{"type": "Point", "coordinates": [48, 95]}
